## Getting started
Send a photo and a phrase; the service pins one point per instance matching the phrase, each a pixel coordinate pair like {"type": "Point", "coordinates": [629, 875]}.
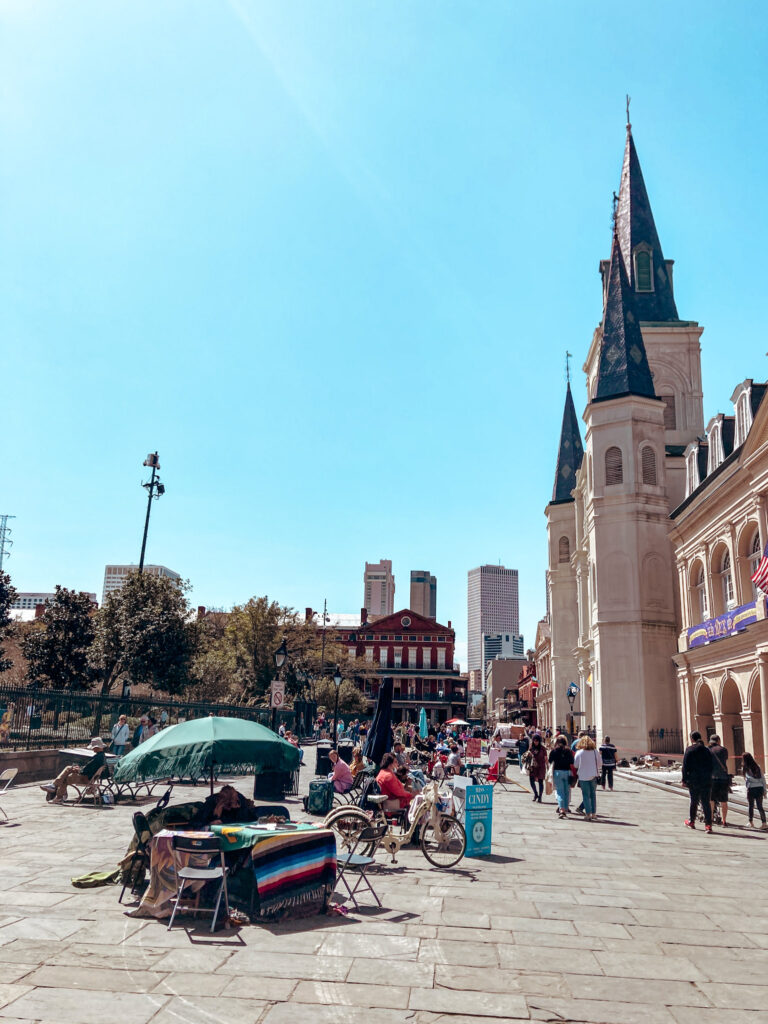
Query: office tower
{"type": "Point", "coordinates": [379, 587]}
{"type": "Point", "coordinates": [492, 607]}
{"type": "Point", "coordinates": [501, 645]}
{"type": "Point", "coordinates": [114, 576]}
{"type": "Point", "coordinates": [423, 594]}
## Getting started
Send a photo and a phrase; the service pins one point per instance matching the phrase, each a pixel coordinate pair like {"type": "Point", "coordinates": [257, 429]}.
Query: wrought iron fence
{"type": "Point", "coordinates": [32, 719]}
{"type": "Point", "coordinates": [666, 741]}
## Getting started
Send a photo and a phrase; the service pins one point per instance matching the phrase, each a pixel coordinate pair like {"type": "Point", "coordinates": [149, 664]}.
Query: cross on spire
{"type": "Point", "coordinates": [629, 100]}
{"type": "Point", "coordinates": [568, 358]}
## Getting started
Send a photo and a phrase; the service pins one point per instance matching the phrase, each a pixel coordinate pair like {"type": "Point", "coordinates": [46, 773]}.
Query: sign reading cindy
{"type": "Point", "coordinates": [722, 625]}
{"type": "Point", "coordinates": [478, 820]}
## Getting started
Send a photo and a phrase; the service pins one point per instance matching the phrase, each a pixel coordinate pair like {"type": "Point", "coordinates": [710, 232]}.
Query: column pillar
{"type": "Point", "coordinates": [763, 669]}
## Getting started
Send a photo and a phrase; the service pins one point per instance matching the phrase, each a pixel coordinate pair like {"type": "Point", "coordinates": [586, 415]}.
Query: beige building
{"type": "Point", "coordinates": [502, 675]}
{"type": "Point", "coordinates": [719, 532]}
{"type": "Point", "coordinates": [115, 576]}
{"type": "Point", "coordinates": [545, 711]}
{"type": "Point", "coordinates": [613, 604]}
{"type": "Point", "coordinates": [379, 587]}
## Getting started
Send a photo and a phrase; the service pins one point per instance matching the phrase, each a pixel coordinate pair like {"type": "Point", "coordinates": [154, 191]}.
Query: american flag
{"type": "Point", "coordinates": [760, 578]}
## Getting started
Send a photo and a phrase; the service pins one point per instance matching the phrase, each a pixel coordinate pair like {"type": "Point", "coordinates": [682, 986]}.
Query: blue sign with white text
{"type": "Point", "coordinates": [478, 820]}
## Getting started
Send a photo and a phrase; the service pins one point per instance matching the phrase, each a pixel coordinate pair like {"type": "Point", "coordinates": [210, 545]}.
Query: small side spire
{"type": "Point", "coordinates": [623, 367]}
{"type": "Point", "coordinates": [571, 451]}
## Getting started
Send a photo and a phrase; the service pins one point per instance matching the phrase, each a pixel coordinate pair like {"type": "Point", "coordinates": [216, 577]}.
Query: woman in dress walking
{"type": "Point", "coordinates": [588, 765]}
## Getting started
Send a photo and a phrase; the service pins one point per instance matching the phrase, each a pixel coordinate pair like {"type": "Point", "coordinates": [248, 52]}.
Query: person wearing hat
{"type": "Point", "coordinates": [76, 774]}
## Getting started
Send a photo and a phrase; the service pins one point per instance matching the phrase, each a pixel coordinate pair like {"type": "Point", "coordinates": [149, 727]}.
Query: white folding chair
{"type": "Point", "coordinates": [208, 847]}
{"type": "Point", "coordinates": [7, 777]}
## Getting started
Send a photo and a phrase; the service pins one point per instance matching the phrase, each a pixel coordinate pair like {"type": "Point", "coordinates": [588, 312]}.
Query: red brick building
{"type": "Point", "coordinates": [417, 654]}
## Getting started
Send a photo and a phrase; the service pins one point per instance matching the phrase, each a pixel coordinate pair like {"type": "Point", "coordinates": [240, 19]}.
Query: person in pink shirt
{"type": "Point", "coordinates": [341, 776]}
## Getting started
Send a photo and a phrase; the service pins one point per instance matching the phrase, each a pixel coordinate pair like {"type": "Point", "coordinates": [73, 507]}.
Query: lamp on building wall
{"type": "Point", "coordinates": [337, 684]}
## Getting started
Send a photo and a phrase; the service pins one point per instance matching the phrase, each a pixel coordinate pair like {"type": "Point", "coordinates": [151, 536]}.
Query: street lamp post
{"type": "Point", "coordinates": [337, 684]}
{"type": "Point", "coordinates": [280, 656]}
{"type": "Point", "coordinates": [571, 693]}
{"type": "Point", "coordinates": [154, 490]}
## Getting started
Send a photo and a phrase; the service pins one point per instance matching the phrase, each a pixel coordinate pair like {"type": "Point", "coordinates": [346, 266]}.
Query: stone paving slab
{"type": "Point", "coordinates": [638, 921]}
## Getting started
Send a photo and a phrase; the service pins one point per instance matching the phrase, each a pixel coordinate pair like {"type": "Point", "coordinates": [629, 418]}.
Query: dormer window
{"type": "Point", "coordinates": [692, 480]}
{"type": "Point", "coordinates": [643, 270]}
{"type": "Point", "coordinates": [716, 454]}
{"type": "Point", "coordinates": [743, 418]}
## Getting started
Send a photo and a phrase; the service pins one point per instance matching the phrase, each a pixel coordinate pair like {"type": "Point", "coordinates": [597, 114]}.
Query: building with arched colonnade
{"type": "Point", "coordinates": [719, 533]}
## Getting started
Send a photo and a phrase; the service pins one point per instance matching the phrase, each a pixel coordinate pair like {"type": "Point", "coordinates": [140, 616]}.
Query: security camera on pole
{"type": "Point", "coordinates": [154, 490]}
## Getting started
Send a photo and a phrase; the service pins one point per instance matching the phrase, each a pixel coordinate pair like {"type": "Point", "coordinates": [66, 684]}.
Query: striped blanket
{"type": "Point", "coordinates": [294, 869]}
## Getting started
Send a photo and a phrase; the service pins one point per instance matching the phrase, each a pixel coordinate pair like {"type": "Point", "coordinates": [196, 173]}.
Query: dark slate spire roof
{"type": "Point", "coordinates": [623, 368]}
{"type": "Point", "coordinates": [569, 455]}
{"type": "Point", "coordinates": [635, 225]}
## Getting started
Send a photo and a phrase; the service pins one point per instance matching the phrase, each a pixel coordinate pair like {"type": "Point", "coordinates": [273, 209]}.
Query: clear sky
{"type": "Point", "coordinates": [327, 257]}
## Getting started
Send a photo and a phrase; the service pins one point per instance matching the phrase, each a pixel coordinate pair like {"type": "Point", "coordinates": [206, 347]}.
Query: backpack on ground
{"type": "Point", "coordinates": [320, 799]}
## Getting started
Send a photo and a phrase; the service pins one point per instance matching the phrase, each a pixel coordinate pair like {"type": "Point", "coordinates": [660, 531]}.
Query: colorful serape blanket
{"type": "Point", "coordinates": [293, 869]}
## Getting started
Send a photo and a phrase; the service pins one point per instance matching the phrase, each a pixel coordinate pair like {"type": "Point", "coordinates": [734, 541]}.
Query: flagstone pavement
{"type": "Point", "coordinates": [632, 919]}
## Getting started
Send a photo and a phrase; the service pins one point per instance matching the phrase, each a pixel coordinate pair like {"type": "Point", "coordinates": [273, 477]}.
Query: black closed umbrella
{"type": "Point", "coordinates": [379, 739]}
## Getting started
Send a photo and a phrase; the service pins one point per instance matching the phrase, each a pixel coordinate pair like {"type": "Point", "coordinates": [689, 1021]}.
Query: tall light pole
{"type": "Point", "coordinates": [154, 490]}
{"type": "Point", "coordinates": [280, 655]}
{"type": "Point", "coordinates": [337, 684]}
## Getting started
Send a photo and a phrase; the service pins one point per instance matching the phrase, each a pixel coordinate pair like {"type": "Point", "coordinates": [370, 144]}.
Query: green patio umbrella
{"type": "Point", "coordinates": [203, 744]}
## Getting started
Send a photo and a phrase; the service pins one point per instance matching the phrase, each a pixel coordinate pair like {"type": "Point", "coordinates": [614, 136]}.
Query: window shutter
{"type": "Point", "coordinates": [614, 470]}
{"type": "Point", "coordinates": [649, 466]}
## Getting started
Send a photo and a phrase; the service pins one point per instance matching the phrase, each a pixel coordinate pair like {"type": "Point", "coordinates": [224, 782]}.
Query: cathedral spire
{"type": "Point", "coordinates": [623, 368]}
{"type": "Point", "coordinates": [648, 273]}
{"type": "Point", "coordinates": [570, 453]}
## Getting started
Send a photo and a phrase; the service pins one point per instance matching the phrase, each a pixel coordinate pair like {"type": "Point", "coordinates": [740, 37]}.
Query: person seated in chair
{"type": "Point", "coordinates": [341, 776]}
{"type": "Point", "coordinates": [77, 774]}
{"type": "Point", "coordinates": [391, 787]}
{"type": "Point", "coordinates": [227, 807]}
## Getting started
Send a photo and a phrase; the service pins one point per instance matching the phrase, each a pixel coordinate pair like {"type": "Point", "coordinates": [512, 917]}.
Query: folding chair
{"type": "Point", "coordinates": [358, 863]}
{"type": "Point", "coordinates": [209, 847]}
{"type": "Point", "coordinates": [140, 856]}
{"type": "Point", "coordinates": [7, 777]}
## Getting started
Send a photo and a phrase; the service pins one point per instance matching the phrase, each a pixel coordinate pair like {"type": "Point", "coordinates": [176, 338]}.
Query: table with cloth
{"type": "Point", "coordinates": [293, 868]}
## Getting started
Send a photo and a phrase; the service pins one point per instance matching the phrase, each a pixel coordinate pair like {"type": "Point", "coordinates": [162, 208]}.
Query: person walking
{"type": "Point", "coordinates": [537, 769]}
{"type": "Point", "coordinates": [721, 780]}
{"type": "Point", "coordinates": [588, 766]}
{"type": "Point", "coordinates": [523, 746]}
{"type": "Point", "coordinates": [698, 767]}
{"type": "Point", "coordinates": [561, 759]}
{"type": "Point", "coordinates": [608, 757]}
{"type": "Point", "coordinates": [121, 733]}
{"type": "Point", "coordinates": [755, 781]}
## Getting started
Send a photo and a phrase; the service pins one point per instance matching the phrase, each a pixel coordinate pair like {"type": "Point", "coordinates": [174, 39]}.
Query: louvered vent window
{"type": "Point", "coordinates": [564, 554]}
{"type": "Point", "coordinates": [649, 466]}
{"type": "Point", "coordinates": [670, 415]}
{"type": "Point", "coordinates": [614, 470]}
{"type": "Point", "coordinates": [643, 272]}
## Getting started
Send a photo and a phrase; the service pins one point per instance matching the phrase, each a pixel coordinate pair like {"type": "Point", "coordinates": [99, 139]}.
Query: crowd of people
{"type": "Point", "coordinates": [709, 783]}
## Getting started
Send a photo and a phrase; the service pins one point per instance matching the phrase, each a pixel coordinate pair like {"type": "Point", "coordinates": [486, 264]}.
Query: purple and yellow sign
{"type": "Point", "coordinates": [722, 625]}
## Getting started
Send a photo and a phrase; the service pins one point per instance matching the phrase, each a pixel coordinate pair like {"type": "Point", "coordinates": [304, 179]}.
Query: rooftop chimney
{"type": "Point", "coordinates": [363, 616]}
{"type": "Point", "coordinates": [308, 614]}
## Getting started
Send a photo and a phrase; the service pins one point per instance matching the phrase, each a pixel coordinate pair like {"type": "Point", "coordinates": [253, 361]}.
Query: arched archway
{"type": "Point", "coordinates": [705, 710]}
{"type": "Point", "coordinates": [732, 726]}
{"type": "Point", "coordinates": [755, 703]}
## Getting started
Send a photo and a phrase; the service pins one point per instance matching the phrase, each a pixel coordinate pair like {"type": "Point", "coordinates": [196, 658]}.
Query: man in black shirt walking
{"type": "Point", "coordinates": [698, 766]}
{"type": "Point", "coordinates": [608, 757]}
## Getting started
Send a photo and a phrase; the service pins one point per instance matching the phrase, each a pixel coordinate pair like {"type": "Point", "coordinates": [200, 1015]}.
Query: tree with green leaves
{"type": "Point", "coordinates": [144, 635]}
{"type": "Point", "coordinates": [58, 646]}
{"type": "Point", "coordinates": [7, 597]}
{"type": "Point", "coordinates": [351, 700]}
{"type": "Point", "coordinates": [253, 633]}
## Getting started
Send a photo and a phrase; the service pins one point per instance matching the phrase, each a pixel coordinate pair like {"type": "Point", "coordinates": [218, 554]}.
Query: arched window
{"type": "Point", "coordinates": [755, 555]}
{"type": "Point", "coordinates": [614, 470]}
{"type": "Point", "coordinates": [648, 459]}
{"type": "Point", "coordinates": [701, 591]}
{"type": "Point", "coordinates": [564, 552]}
{"type": "Point", "coordinates": [643, 271]}
{"type": "Point", "coordinates": [726, 581]}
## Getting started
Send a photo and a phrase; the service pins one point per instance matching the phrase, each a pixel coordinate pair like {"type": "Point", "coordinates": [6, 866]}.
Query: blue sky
{"type": "Point", "coordinates": [327, 257]}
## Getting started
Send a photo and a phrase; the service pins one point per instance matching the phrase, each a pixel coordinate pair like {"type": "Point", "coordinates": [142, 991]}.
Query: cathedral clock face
{"type": "Point", "coordinates": [478, 832]}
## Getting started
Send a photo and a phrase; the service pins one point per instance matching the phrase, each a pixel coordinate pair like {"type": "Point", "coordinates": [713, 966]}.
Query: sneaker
{"type": "Point", "coordinates": [48, 788]}
{"type": "Point", "coordinates": [708, 829]}
{"type": "Point", "coordinates": [689, 824]}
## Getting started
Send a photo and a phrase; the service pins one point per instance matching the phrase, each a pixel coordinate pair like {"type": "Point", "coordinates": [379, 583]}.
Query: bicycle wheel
{"type": "Point", "coordinates": [445, 846]}
{"type": "Point", "coordinates": [347, 823]}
